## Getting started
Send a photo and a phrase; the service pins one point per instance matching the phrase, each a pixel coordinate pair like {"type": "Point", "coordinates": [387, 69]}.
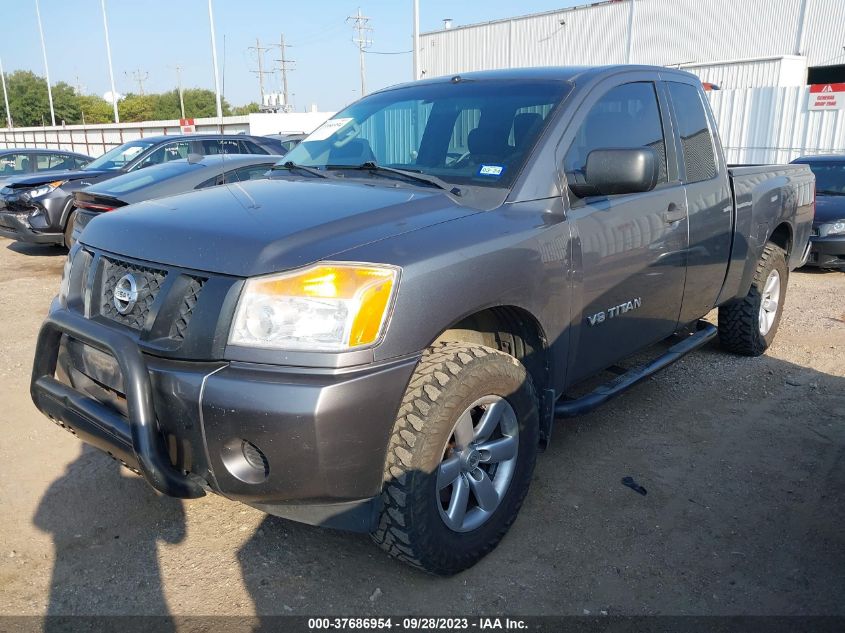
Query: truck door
{"type": "Point", "coordinates": [630, 249]}
{"type": "Point", "coordinates": [709, 201]}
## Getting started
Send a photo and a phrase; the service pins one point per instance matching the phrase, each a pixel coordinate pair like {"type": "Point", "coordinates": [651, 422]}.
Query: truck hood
{"type": "Point", "coordinates": [829, 209]}
{"type": "Point", "coordinates": [51, 176]}
{"type": "Point", "coordinates": [266, 226]}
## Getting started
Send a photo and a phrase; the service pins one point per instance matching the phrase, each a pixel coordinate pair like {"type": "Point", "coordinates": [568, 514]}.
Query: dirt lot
{"type": "Point", "coordinates": [742, 460]}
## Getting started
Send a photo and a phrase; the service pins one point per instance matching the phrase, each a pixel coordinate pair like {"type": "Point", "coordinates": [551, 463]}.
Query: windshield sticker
{"type": "Point", "coordinates": [491, 170]}
{"type": "Point", "coordinates": [327, 129]}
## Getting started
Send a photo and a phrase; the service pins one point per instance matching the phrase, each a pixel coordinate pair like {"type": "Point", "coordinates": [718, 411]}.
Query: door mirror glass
{"type": "Point", "coordinates": [619, 171]}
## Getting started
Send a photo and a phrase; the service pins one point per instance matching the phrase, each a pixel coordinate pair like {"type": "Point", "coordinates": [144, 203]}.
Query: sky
{"type": "Point", "coordinates": [154, 36]}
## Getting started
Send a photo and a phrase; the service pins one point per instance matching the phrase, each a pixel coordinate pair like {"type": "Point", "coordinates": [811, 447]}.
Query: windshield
{"type": "Point", "coordinates": [466, 132]}
{"type": "Point", "coordinates": [830, 177]}
{"type": "Point", "coordinates": [118, 157]}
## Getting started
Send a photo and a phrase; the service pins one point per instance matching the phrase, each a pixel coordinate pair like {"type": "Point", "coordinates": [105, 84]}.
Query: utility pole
{"type": "Point", "coordinates": [139, 76]}
{"type": "Point", "coordinates": [259, 50]}
{"type": "Point", "coordinates": [5, 96]}
{"type": "Point", "coordinates": [179, 85]}
{"type": "Point", "coordinates": [362, 31]}
{"type": "Point", "coordinates": [416, 37]}
{"type": "Point", "coordinates": [46, 67]}
{"type": "Point", "coordinates": [108, 55]}
{"type": "Point", "coordinates": [216, 69]}
{"type": "Point", "coordinates": [283, 69]}
{"type": "Point", "coordinates": [80, 89]}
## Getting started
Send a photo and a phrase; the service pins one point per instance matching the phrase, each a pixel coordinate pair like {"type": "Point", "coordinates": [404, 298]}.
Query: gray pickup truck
{"type": "Point", "coordinates": [380, 336]}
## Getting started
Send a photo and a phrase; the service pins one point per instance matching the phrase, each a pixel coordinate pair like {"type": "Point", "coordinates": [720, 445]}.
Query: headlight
{"type": "Point", "coordinates": [837, 228]}
{"type": "Point", "coordinates": [43, 190]}
{"type": "Point", "coordinates": [327, 307]}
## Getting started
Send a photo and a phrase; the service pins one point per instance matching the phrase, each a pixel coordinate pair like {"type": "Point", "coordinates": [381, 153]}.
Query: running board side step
{"type": "Point", "coordinates": [578, 406]}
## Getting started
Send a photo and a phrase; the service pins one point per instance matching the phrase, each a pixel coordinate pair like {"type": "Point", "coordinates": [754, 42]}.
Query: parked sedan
{"type": "Point", "coordinates": [38, 208]}
{"type": "Point", "coordinates": [22, 162]}
{"type": "Point", "coordinates": [827, 242]}
{"type": "Point", "coordinates": [179, 176]}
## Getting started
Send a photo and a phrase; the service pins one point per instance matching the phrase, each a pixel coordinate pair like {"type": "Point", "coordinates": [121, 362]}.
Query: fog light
{"type": "Point", "coordinates": [245, 461]}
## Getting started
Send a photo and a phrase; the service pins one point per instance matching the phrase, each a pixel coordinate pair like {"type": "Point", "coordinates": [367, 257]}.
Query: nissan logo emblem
{"type": "Point", "coordinates": [125, 294]}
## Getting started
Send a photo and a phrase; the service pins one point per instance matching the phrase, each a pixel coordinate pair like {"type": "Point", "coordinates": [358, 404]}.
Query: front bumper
{"type": "Point", "coordinates": [827, 252]}
{"type": "Point", "coordinates": [16, 227]}
{"type": "Point", "coordinates": [306, 444]}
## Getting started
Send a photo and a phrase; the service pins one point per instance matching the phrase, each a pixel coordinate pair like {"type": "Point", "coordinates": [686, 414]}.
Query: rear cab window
{"type": "Point", "coordinates": [699, 155]}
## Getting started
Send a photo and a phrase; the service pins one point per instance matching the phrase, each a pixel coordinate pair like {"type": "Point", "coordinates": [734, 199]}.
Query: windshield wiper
{"type": "Point", "coordinates": [408, 174]}
{"type": "Point", "coordinates": [290, 166]}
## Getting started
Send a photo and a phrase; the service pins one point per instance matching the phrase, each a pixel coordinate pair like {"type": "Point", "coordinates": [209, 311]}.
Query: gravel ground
{"type": "Point", "coordinates": [742, 460]}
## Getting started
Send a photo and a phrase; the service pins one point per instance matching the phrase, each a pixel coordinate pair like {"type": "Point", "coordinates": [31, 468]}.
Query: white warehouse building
{"type": "Point", "coordinates": [732, 43]}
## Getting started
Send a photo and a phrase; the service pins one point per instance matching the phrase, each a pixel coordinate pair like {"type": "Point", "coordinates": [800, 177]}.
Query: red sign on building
{"type": "Point", "coordinates": [187, 126]}
{"type": "Point", "coordinates": [827, 96]}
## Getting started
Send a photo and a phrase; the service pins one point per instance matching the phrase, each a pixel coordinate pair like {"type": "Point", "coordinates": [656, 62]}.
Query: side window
{"type": "Point", "coordinates": [230, 147]}
{"type": "Point", "coordinates": [53, 161]}
{"type": "Point", "coordinates": [166, 153]}
{"type": "Point", "coordinates": [249, 147]}
{"type": "Point", "coordinates": [79, 163]}
{"type": "Point", "coordinates": [253, 172]}
{"type": "Point", "coordinates": [626, 117]}
{"type": "Point", "coordinates": [12, 164]}
{"type": "Point", "coordinates": [696, 140]}
{"type": "Point", "coordinates": [211, 182]}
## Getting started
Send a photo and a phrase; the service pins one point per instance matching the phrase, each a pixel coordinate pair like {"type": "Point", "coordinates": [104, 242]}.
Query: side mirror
{"type": "Point", "coordinates": [618, 171]}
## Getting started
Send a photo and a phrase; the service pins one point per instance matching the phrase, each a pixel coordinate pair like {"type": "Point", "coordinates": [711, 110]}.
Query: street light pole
{"type": "Point", "coordinates": [179, 84]}
{"type": "Point", "coordinates": [416, 39]}
{"type": "Point", "coordinates": [214, 60]}
{"type": "Point", "coordinates": [111, 70]}
{"type": "Point", "coordinates": [5, 96]}
{"type": "Point", "coordinates": [46, 68]}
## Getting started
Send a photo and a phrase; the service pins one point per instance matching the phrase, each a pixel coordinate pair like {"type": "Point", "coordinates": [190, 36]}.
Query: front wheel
{"type": "Point", "coordinates": [748, 326]}
{"type": "Point", "coordinates": [460, 458]}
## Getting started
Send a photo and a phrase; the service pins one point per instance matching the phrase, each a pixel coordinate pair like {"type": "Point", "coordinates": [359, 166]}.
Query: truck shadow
{"type": "Point", "coordinates": [89, 512]}
{"type": "Point", "coordinates": [744, 473]}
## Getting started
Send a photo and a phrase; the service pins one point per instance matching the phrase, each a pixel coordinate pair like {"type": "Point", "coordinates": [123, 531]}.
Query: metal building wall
{"type": "Point", "coordinates": [773, 125]}
{"type": "Point", "coordinates": [666, 32]}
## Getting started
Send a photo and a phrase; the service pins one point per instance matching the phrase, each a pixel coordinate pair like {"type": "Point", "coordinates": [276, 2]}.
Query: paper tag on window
{"type": "Point", "coordinates": [327, 129]}
{"type": "Point", "coordinates": [491, 170]}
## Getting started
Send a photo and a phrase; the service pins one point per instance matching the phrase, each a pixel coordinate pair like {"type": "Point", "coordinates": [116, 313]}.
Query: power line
{"type": "Point", "coordinates": [259, 50]}
{"type": "Point", "coordinates": [139, 76]}
{"type": "Point", "coordinates": [284, 68]}
{"type": "Point", "coordinates": [360, 24]}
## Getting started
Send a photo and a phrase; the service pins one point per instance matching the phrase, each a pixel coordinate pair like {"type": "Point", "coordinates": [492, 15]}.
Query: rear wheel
{"type": "Point", "coordinates": [71, 222]}
{"type": "Point", "coordinates": [748, 326]}
{"type": "Point", "coordinates": [460, 458]}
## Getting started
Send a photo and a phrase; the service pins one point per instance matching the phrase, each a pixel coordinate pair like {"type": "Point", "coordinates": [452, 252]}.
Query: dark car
{"type": "Point", "coordinates": [38, 208]}
{"type": "Point", "coordinates": [827, 242]}
{"type": "Point", "coordinates": [288, 141]}
{"type": "Point", "coordinates": [380, 336]}
{"type": "Point", "coordinates": [166, 179]}
{"type": "Point", "coordinates": [23, 162]}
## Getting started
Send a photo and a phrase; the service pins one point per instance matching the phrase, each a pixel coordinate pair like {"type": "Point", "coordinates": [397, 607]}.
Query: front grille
{"type": "Point", "coordinates": [148, 282]}
{"type": "Point", "coordinates": [186, 308]}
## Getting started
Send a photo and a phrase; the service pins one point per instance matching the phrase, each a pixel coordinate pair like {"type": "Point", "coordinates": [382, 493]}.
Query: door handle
{"type": "Point", "coordinates": [674, 214]}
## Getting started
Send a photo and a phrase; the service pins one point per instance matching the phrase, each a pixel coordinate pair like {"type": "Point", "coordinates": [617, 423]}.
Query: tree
{"type": "Point", "coordinates": [136, 108]}
{"type": "Point", "coordinates": [27, 98]}
{"type": "Point", "coordinates": [249, 108]}
{"type": "Point", "coordinates": [95, 109]}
